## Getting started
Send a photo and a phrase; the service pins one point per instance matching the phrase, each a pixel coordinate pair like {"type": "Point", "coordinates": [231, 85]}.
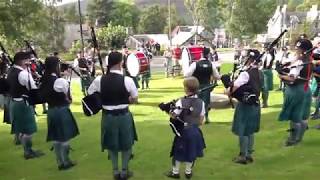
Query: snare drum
{"type": "Point", "coordinates": [189, 55]}
{"type": "Point", "coordinates": [137, 63]}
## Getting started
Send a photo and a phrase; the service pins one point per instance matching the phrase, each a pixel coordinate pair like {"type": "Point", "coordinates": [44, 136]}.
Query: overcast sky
{"type": "Point", "coordinates": [67, 1]}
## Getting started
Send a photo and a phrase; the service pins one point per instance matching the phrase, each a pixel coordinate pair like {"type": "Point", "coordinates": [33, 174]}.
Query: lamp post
{"type": "Point", "coordinates": [169, 10]}
{"type": "Point", "coordinates": [81, 30]}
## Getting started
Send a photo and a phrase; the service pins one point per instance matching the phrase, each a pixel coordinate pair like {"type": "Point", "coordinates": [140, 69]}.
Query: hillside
{"type": "Point", "coordinates": [183, 12]}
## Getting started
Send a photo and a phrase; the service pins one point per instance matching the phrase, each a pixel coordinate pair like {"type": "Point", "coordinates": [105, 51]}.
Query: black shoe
{"type": "Point", "coordinates": [67, 166]}
{"type": "Point", "coordinates": [16, 141]}
{"type": "Point", "coordinates": [315, 116]}
{"type": "Point", "coordinates": [240, 160]}
{"type": "Point", "coordinates": [172, 175]}
{"type": "Point", "coordinates": [290, 143]}
{"type": "Point", "coordinates": [33, 154]}
{"type": "Point", "coordinates": [116, 176]}
{"type": "Point", "coordinates": [188, 176]}
{"type": "Point", "coordinates": [249, 159]}
{"type": "Point", "coordinates": [125, 176]}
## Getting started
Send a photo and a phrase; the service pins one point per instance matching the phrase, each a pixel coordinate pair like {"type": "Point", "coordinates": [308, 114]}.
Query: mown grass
{"type": "Point", "coordinates": [273, 160]}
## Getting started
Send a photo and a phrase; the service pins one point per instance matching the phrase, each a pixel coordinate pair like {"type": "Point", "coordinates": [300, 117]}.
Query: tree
{"type": "Point", "coordinates": [250, 17]}
{"type": "Point", "coordinates": [112, 36]}
{"type": "Point", "coordinates": [100, 11]}
{"type": "Point", "coordinates": [125, 14]}
{"type": "Point", "coordinates": [70, 14]}
{"type": "Point", "coordinates": [153, 20]}
{"type": "Point", "coordinates": [207, 13]}
{"type": "Point", "coordinates": [306, 5]}
{"type": "Point", "coordinates": [176, 20]}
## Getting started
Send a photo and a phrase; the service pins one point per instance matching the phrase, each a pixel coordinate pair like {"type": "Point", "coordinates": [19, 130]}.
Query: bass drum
{"type": "Point", "coordinates": [137, 63]}
{"type": "Point", "coordinates": [189, 55]}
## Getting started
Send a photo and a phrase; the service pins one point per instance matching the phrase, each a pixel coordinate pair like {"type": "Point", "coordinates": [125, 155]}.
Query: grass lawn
{"type": "Point", "coordinates": [273, 160]}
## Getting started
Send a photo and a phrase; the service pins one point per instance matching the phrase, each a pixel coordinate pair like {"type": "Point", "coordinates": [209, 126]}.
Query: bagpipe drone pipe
{"type": "Point", "coordinates": [177, 123]}
{"type": "Point", "coordinates": [91, 104]}
{"type": "Point", "coordinates": [5, 63]}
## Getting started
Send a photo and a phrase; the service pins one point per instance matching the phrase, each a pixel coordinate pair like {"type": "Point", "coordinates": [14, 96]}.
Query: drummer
{"type": "Point", "coordinates": [204, 71]}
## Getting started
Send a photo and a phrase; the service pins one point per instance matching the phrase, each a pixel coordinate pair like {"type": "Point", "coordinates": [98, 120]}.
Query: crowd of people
{"type": "Point", "coordinates": [118, 133]}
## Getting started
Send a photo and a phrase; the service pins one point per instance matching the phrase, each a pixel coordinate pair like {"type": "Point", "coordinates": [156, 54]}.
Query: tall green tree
{"type": "Point", "coordinates": [112, 36]}
{"type": "Point", "coordinates": [153, 20]}
{"type": "Point", "coordinates": [207, 13]}
{"type": "Point", "coordinates": [100, 11]}
{"type": "Point", "coordinates": [125, 14]}
{"type": "Point", "coordinates": [249, 17]}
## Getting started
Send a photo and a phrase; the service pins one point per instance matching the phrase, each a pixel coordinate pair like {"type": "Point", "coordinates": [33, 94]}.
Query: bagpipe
{"type": "Point", "coordinates": [177, 123]}
{"type": "Point", "coordinates": [91, 104]}
{"type": "Point", "coordinates": [5, 63]}
{"type": "Point", "coordinates": [245, 93]}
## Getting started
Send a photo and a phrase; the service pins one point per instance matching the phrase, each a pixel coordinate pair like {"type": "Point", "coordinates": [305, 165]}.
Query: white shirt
{"type": "Point", "coordinates": [242, 79]}
{"type": "Point", "coordinates": [266, 59]}
{"type": "Point", "coordinates": [24, 77]}
{"type": "Point", "coordinates": [295, 71]}
{"type": "Point", "coordinates": [189, 72]}
{"type": "Point", "coordinates": [61, 85]}
{"type": "Point", "coordinates": [179, 104]}
{"type": "Point", "coordinates": [128, 82]}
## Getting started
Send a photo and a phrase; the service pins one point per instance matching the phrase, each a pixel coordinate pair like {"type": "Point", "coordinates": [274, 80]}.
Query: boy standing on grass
{"type": "Point", "coordinates": [189, 146]}
{"type": "Point", "coordinates": [246, 119]}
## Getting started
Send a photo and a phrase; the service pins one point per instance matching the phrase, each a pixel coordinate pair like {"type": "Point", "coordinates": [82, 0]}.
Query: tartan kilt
{"type": "Point", "coordinates": [6, 110]}
{"type": "Point", "coordinates": [246, 119]}
{"type": "Point", "coordinates": [117, 132]}
{"type": "Point", "coordinates": [85, 82]}
{"type": "Point", "coordinates": [189, 146]}
{"type": "Point", "coordinates": [307, 101]}
{"type": "Point", "coordinates": [61, 124]}
{"type": "Point", "coordinates": [268, 80]}
{"type": "Point", "coordinates": [293, 103]}
{"type": "Point", "coordinates": [22, 116]}
{"type": "Point", "coordinates": [205, 95]}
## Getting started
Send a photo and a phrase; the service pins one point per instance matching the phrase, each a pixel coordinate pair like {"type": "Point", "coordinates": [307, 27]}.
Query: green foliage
{"type": "Point", "coordinates": [125, 14]}
{"type": "Point", "coordinates": [100, 10]}
{"type": "Point", "coordinates": [303, 28]}
{"type": "Point", "coordinates": [71, 14]}
{"type": "Point", "coordinates": [292, 4]}
{"type": "Point", "coordinates": [31, 20]}
{"type": "Point", "coordinates": [112, 36]}
{"type": "Point", "coordinates": [249, 17]}
{"type": "Point", "coordinates": [153, 20]}
{"type": "Point", "coordinates": [306, 5]}
{"type": "Point", "coordinates": [207, 13]}
{"type": "Point", "coordinates": [176, 20]}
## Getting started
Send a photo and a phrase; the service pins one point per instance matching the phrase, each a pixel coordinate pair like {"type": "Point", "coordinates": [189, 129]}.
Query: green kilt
{"type": "Point", "coordinates": [6, 110]}
{"type": "Point", "coordinates": [267, 80]}
{"type": "Point", "coordinates": [22, 117]}
{"type": "Point", "coordinates": [61, 124]}
{"type": "Point", "coordinates": [293, 103]}
{"type": "Point", "coordinates": [117, 132]}
{"type": "Point", "coordinates": [307, 100]}
{"type": "Point", "coordinates": [85, 82]}
{"type": "Point", "coordinates": [246, 119]}
{"type": "Point", "coordinates": [205, 95]}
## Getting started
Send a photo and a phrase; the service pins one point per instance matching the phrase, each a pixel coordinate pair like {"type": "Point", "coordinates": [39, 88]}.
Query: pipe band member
{"type": "Point", "coordinates": [83, 64]}
{"type": "Point", "coordinates": [297, 95]}
{"type": "Point", "coordinates": [62, 126]}
{"type": "Point", "coordinates": [204, 71]}
{"type": "Point", "coordinates": [267, 63]}
{"type": "Point", "coordinates": [21, 113]}
{"type": "Point", "coordinates": [117, 126]}
{"type": "Point", "coordinates": [246, 119]}
{"type": "Point", "coordinates": [316, 75]}
{"type": "Point", "coordinates": [189, 146]}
